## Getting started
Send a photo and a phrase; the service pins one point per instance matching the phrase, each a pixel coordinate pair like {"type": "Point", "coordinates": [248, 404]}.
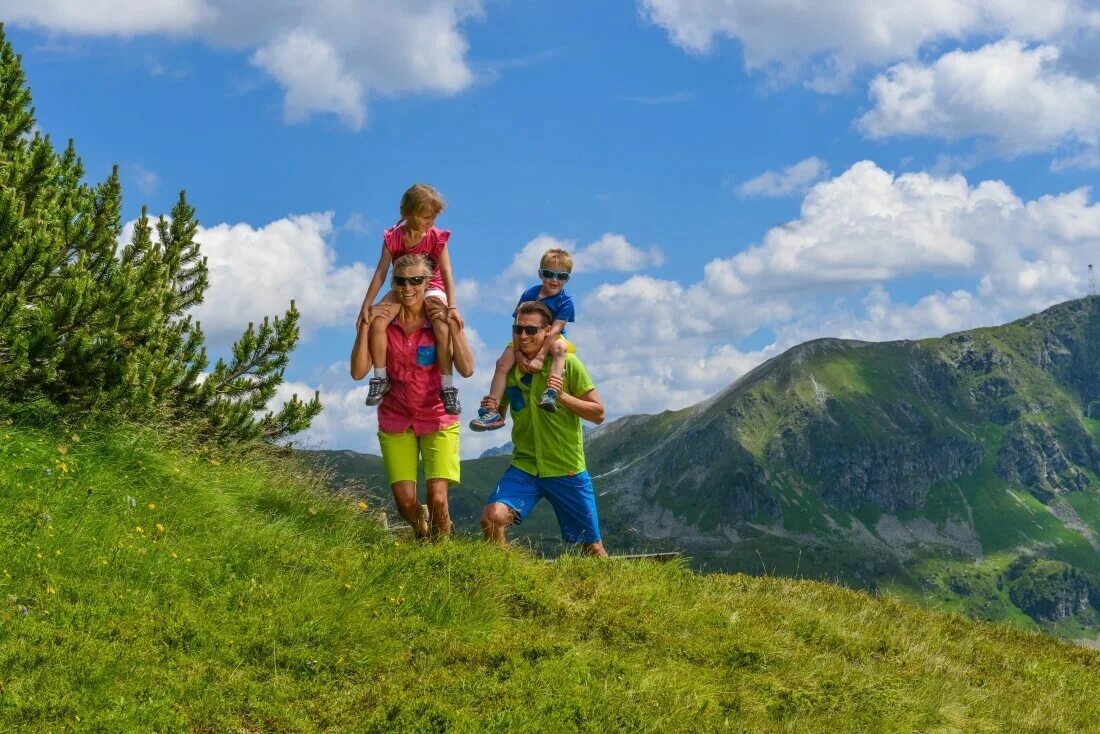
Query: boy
{"type": "Point", "coordinates": [555, 268]}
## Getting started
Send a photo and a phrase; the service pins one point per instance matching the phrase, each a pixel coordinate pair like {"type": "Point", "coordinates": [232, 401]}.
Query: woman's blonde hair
{"type": "Point", "coordinates": [413, 260]}
{"type": "Point", "coordinates": [421, 197]}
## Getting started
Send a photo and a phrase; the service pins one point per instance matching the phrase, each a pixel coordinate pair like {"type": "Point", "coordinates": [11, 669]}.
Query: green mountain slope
{"type": "Point", "coordinates": [148, 588]}
{"type": "Point", "coordinates": [950, 471]}
{"type": "Point", "coordinates": [906, 465]}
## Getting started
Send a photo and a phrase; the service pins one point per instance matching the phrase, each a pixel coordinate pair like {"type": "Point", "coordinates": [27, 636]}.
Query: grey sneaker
{"type": "Point", "coordinates": [549, 400]}
{"type": "Point", "coordinates": [376, 388]}
{"type": "Point", "coordinates": [487, 420]}
{"type": "Point", "coordinates": [449, 396]}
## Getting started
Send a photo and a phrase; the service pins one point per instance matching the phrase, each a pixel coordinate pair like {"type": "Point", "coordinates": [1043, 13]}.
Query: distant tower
{"type": "Point", "coordinates": [1092, 281]}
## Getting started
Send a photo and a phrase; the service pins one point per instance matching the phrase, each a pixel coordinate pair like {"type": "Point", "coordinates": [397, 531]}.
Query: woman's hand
{"type": "Point", "coordinates": [455, 318]}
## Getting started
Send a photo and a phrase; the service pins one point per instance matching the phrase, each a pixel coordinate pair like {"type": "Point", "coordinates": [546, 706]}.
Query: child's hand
{"type": "Point", "coordinates": [535, 364]}
{"type": "Point", "coordinates": [363, 318]}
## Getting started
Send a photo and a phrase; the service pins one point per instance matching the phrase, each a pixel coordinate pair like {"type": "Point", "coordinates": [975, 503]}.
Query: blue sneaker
{"type": "Point", "coordinates": [549, 400]}
{"type": "Point", "coordinates": [487, 420]}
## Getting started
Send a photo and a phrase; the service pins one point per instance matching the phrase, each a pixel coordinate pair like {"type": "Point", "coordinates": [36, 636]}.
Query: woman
{"type": "Point", "coordinates": [412, 422]}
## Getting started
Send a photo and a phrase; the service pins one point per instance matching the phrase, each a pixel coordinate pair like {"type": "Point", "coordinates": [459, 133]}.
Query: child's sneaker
{"type": "Point", "coordinates": [549, 400]}
{"type": "Point", "coordinates": [449, 396]}
{"type": "Point", "coordinates": [376, 388]}
{"type": "Point", "coordinates": [487, 420]}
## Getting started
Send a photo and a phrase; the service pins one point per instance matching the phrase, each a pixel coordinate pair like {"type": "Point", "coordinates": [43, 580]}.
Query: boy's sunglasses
{"type": "Point", "coordinates": [528, 330]}
{"type": "Point", "coordinates": [400, 280]}
{"type": "Point", "coordinates": [553, 275]}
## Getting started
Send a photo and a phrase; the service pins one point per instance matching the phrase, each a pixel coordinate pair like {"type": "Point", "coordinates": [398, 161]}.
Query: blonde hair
{"type": "Point", "coordinates": [559, 256]}
{"type": "Point", "coordinates": [421, 197]}
{"type": "Point", "coordinates": [412, 261]}
{"type": "Point", "coordinates": [535, 307]}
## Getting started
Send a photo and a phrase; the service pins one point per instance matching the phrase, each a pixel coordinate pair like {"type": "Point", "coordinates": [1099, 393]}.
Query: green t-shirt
{"type": "Point", "coordinates": [547, 444]}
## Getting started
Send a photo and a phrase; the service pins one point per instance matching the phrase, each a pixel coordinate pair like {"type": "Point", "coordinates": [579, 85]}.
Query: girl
{"type": "Point", "coordinates": [414, 234]}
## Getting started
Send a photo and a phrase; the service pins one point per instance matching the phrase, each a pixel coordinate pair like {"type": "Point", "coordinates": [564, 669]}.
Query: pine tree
{"type": "Point", "coordinates": [100, 332]}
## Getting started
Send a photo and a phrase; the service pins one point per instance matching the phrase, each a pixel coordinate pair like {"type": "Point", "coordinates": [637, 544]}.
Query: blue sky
{"type": "Point", "coordinates": [735, 176]}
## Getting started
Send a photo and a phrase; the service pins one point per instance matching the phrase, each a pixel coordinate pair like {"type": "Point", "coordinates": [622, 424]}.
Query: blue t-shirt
{"type": "Point", "coordinates": [561, 305]}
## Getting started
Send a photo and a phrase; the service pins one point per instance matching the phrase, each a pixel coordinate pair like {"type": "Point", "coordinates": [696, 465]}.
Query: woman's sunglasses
{"type": "Point", "coordinates": [400, 280]}
{"type": "Point", "coordinates": [528, 330]}
{"type": "Point", "coordinates": [553, 275]}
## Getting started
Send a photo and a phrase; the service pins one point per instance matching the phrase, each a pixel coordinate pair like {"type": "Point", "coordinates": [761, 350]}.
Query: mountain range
{"type": "Point", "coordinates": [958, 472]}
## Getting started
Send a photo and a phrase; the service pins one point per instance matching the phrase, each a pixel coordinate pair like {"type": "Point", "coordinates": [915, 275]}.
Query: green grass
{"type": "Point", "coordinates": [237, 595]}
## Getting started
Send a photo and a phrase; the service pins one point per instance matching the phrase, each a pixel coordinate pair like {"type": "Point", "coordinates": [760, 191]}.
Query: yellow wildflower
{"type": "Point", "coordinates": [139, 529]}
{"type": "Point", "coordinates": [160, 528]}
{"type": "Point", "coordinates": [362, 505]}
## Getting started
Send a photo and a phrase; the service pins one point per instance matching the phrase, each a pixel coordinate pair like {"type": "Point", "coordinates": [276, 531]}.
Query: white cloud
{"type": "Point", "coordinates": [654, 344]}
{"type": "Point", "coordinates": [1014, 95]}
{"type": "Point", "coordinates": [792, 179]}
{"type": "Point", "coordinates": [612, 252]}
{"type": "Point", "coordinates": [311, 71]}
{"type": "Point", "coordinates": [144, 179]}
{"type": "Point", "coordinates": [119, 17]}
{"type": "Point", "coordinates": [330, 56]}
{"type": "Point", "coordinates": [828, 41]}
{"type": "Point", "coordinates": [256, 272]}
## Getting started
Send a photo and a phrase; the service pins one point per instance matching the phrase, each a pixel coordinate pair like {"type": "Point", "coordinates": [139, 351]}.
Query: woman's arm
{"type": "Point", "coordinates": [360, 353]}
{"type": "Point", "coordinates": [461, 353]}
{"type": "Point", "coordinates": [587, 406]}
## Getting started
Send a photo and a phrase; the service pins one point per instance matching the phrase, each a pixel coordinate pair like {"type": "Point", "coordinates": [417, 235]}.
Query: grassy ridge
{"type": "Point", "coordinates": [148, 588]}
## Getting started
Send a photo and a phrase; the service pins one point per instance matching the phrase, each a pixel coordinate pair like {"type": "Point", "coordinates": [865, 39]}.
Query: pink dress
{"type": "Point", "coordinates": [431, 244]}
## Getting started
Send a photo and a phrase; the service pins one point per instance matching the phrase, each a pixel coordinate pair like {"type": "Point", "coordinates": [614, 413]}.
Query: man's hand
{"type": "Point", "coordinates": [490, 403]}
{"type": "Point", "coordinates": [555, 382]}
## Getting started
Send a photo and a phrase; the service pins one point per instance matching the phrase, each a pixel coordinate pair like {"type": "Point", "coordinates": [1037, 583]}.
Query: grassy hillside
{"type": "Point", "coordinates": [147, 588]}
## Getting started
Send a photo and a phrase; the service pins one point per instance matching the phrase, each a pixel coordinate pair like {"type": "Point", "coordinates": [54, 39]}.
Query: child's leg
{"type": "Point", "coordinates": [558, 350]}
{"type": "Point", "coordinates": [380, 319]}
{"type": "Point", "coordinates": [378, 343]}
{"type": "Point", "coordinates": [437, 314]}
{"type": "Point", "coordinates": [505, 362]}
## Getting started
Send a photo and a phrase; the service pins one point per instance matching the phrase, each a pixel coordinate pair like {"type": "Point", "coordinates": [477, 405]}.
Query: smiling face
{"type": "Point", "coordinates": [529, 344]}
{"type": "Point", "coordinates": [408, 294]}
{"type": "Point", "coordinates": [553, 286]}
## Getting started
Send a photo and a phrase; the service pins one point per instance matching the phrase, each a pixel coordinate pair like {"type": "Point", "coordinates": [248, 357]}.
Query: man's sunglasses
{"type": "Point", "coordinates": [553, 275]}
{"type": "Point", "coordinates": [528, 330]}
{"type": "Point", "coordinates": [400, 280]}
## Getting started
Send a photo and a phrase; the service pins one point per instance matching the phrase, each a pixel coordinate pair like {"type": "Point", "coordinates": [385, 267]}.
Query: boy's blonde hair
{"type": "Point", "coordinates": [559, 256]}
{"type": "Point", "coordinates": [421, 197]}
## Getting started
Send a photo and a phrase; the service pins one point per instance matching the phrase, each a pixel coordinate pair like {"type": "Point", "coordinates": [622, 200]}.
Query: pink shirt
{"type": "Point", "coordinates": [431, 244]}
{"type": "Point", "coordinates": [413, 400]}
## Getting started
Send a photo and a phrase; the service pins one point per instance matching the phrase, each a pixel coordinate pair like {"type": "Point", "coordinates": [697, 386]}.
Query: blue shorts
{"type": "Point", "coordinates": [572, 497]}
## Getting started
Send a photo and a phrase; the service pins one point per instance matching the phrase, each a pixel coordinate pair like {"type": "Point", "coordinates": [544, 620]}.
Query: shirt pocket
{"type": "Point", "coordinates": [515, 398]}
{"type": "Point", "coordinates": [425, 356]}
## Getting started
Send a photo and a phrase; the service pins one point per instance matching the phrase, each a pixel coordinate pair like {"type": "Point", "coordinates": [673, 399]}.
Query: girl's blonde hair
{"type": "Point", "coordinates": [421, 197]}
{"type": "Point", "coordinates": [559, 256]}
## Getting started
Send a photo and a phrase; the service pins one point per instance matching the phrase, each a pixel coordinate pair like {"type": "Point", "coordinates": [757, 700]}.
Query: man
{"type": "Point", "coordinates": [548, 453]}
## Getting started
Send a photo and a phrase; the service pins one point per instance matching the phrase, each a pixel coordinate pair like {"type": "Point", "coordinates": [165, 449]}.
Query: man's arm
{"type": "Point", "coordinates": [588, 406]}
